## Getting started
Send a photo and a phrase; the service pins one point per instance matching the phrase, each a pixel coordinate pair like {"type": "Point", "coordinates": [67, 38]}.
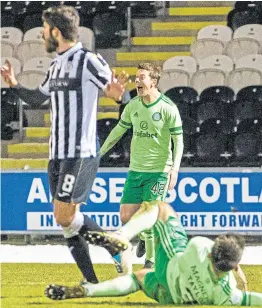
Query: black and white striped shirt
{"type": "Point", "coordinates": [73, 82]}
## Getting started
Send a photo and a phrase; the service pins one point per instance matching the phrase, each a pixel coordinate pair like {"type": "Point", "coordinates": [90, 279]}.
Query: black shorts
{"type": "Point", "coordinates": [71, 179]}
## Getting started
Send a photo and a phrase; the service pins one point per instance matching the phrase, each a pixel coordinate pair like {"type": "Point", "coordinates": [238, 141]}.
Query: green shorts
{"type": "Point", "coordinates": [145, 186]}
{"type": "Point", "coordinates": [170, 238]}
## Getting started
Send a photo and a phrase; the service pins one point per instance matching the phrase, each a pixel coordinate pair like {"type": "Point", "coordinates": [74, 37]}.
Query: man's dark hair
{"type": "Point", "coordinates": [154, 70]}
{"type": "Point", "coordinates": [227, 251]}
{"type": "Point", "coordinates": [65, 18]}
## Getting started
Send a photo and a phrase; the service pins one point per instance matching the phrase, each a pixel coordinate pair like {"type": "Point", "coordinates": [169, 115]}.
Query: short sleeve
{"type": "Point", "coordinates": [174, 121]}
{"type": "Point", "coordinates": [125, 120]}
{"type": "Point", "coordinates": [97, 70]}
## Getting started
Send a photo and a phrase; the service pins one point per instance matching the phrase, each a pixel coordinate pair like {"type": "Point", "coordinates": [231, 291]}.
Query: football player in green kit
{"type": "Point", "coordinates": [153, 169]}
{"type": "Point", "coordinates": [199, 271]}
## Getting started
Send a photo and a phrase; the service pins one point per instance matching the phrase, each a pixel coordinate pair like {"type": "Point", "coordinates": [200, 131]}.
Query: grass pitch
{"type": "Point", "coordinates": [23, 286]}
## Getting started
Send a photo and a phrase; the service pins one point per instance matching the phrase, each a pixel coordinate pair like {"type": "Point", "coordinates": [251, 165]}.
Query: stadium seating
{"type": "Point", "coordinates": [34, 34]}
{"type": "Point", "coordinates": [190, 126]}
{"type": "Point", "coordinates": [114, 157]}
{"type": "Point", "coordinates": [182, 94]}
{"type": "Point", "coordinates": [238, 48]}
{"type": "Point", "coordinates": [142, 9]}
{"type": "Point", "coordinates": [213, 116]}
{"type": "Point", "coordinates": [203, 48]}
{"type": "Point", "coordinates": [247, 111]}
{"type": "Point", "coordinates": [250, 61]}
{"type": "Point", "coordinates": [107, 29]}
{"type": "Point", "coordinates": [7, 49]}
{"type": "Point", "coordinates": [108, 116]}
{"type": "Point", "coordinates": [184, 63]}
{"type": "Point", "coordinates": [210, 109]}
{"type": "Point", "coordinates": [9, 12]}
{"type": "Point", "coordinates": [221, 62]}
{"type": "Point", "coordinates": [206, 78]}
{"type": "Point", "coordinates": [245, 150]}
{"type": "Point", "coordinates": [104, 126]}
{"type": "Point", "coordinates": [218, 93]}
{"type": "Point", "coordinates": [249, 31]}
{"type": "Point", "coordinates": [250, 93]}
{"type": "Point", "coordinates": [240, 17]}
{"type": "Point", "coordinates": [86, 36]}
{"type": "Point", "coordinates": [31, 49]}
{"type": "Point", "coordinates": [243, 77]}
{"type": "Point", "coordinates": [13, 7]}
{"type": "Point", "coordinates": [11, 35]}
{"type": "Point", "coordinates": [217, 126]}
{"type": "Point", "coordinates": [217, 32]}
{"type": "Point", "coordinates": [184, 109]}
{"type": "Point", "coordinates": [245, 4]}
{"type": "Point", "coordinates": [31, 79]}
{"type": "Point", "coordinates": [37, 64]}
{"type": "Point", "coordinates": [210, 150]}
{"type": "Point", "coordinates": [173, 78]}
{"type": "Point", "coordinates": [31, 20]}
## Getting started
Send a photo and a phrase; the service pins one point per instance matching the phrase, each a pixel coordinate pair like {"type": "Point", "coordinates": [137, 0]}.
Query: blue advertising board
{"type": "Point", "coordinates": [207, 202]}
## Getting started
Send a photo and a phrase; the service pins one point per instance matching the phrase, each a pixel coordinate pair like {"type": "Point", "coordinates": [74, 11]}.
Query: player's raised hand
{"type": "Point", "coordinates": [114, 89]}
{"type": "Point", "coordinates": [123, 78]}
{"type": "Point", "coordinates": [8, 74]}
{"type": "Point", "coordinates": [173, 174]}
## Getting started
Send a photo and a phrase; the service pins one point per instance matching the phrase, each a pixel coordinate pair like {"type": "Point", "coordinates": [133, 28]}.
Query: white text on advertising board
{"type": "Point", "coordinates": [112, 190]}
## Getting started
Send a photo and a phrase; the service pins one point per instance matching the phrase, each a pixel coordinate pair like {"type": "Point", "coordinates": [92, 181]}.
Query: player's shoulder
{"type": "Point", "coordinates": [201, 242]}
{"type": "Point", "coordinates": [166, 100]}
{"type": "Point", "coordinates": [134, 101]}
{"type": "Point", "coordinates": [92, 56]}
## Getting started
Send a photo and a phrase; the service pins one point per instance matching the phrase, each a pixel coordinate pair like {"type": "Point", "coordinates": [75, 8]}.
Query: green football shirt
{"type": "Point", "coordinates": [190, 278]}
{"type": "Point", "coordinates": [153, 124]}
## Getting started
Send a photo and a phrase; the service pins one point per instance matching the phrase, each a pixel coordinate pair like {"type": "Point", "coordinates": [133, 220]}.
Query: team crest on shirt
{"type": "Point", "coordinates": [69, 67]}
{"type": "Point", "coordinates": [156, 116]}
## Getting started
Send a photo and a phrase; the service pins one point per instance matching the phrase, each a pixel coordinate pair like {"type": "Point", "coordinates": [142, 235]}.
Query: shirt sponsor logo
{"type": "Point", "coordinates": [145, 134]}
{"type": "Point", "coordinates": [144, 125]}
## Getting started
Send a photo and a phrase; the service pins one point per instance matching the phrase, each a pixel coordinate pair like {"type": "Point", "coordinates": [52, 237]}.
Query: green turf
{"type": "Point", "coordinates": [23, 286]}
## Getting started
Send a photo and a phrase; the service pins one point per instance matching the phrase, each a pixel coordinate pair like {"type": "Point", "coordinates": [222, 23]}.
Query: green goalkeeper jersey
{"type": "Point", "coordinates": [153, 125]}
{"type": "Point", "coordinates": [190, 279]}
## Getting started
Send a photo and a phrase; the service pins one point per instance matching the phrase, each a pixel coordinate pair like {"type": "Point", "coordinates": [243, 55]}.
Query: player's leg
{"type": "Point", "coordinates": [75, 179]}
{"type": "Point", "coordinates": [119, 286]}
{"type": "Point", "coordinates": [132, 196]}
{"type": "Point", "coordinates": [129, 205]}
{"type": "Point", "coordinates": [154, 284]}
{"type": "Point", "coordinates": [143, 219]}
{"type": "Point", "coordinates": [67, 199]}
{"type": "Point", "coordinates": [154, 188]}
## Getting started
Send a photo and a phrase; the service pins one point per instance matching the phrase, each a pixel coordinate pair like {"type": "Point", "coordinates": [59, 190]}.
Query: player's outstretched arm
{"type": "Point", "coordinates": [177, 156]}
{"type": "Point", "coordinates": [123, 125]}
{"type": "Point", "coordinates": [32, 97]}
{"type": "Point", "coordinates": [112, 139]}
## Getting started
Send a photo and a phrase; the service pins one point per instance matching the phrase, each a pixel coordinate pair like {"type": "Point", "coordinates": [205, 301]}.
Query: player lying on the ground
{"type": "Point", "coordinates": [194, 272]}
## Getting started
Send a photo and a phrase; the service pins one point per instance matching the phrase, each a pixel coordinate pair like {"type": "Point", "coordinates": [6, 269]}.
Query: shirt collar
{"type": "Point", "coordinates": [71, 50]}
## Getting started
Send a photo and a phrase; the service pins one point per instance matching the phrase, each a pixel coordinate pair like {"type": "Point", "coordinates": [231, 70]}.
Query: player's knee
{"type": "Point", "coordinates": [63, 221]}
{"type": "Point", "coordinates": [165, 210]}
{"type": "Point", "coordinates": [124, 217]}
{"type": "Point", "coordinates": [64, 213]}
